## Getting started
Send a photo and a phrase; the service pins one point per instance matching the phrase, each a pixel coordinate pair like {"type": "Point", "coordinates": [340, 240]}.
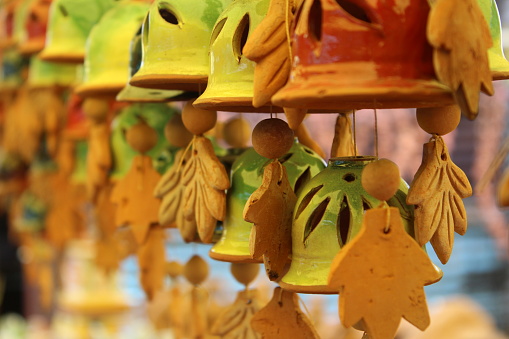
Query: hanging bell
{"type": "Point", "coordinates": [301, 164]}
{"type": "Point", "coordinates": [328, 214]}
{"type": "Point", "coordinates": [70, 22]}
{"type": "Point", "coordinates": [137, 94]}
{"type": "Point", "coordinates": [42, 74]}
{"type": "Point", "coordinates": [175, 39]}
{"type": "Point", "coordinates": [107, 49]}
{"type": "Point", "coordinates": [230, 86]}
{"type": "Point", "coordinates": [498, 63]}
{"type": "Point", "coordinates": [353, 55]}
{"type": "Point", "coordinates": [36, 21]}
{"type": "Point", "coordinates": [156, 116]}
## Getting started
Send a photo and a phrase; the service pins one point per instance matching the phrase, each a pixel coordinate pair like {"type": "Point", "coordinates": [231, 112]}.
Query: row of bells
{"type": "Point", "coordinates": [185, 49]}
{"type": "Point", "coordinates": [181, 49]}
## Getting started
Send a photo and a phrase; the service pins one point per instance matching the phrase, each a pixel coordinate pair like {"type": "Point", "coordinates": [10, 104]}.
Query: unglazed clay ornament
{"type": "Point", "coordinates": [437, 190]}
{"type": "Point", "coordinates": [343, 144]}
{"type": "Point", "coordinates": [152, 261]}
{"type": "Point", "coordinates": [380, 275]}
{"type": "Point", "coordinates": [341, 61]}
{"type": "Point", "coordinates": [461, 63]}
{"type": "Point", "coordinates": [283, 318]}
{"type": "Point", "coordinates": [133, 194]}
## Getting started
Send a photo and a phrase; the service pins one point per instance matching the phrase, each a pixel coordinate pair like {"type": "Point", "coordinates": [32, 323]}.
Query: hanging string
{"type": "Point", "coordinates": [354, 134]}
{"type": "Point", "coordinates": [376, 133]}
{"type": "Point", "coordinates": [287, 24]}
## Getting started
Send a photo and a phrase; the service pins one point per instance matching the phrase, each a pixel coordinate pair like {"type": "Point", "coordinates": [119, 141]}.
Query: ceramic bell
{"type": "Point", "coordinates": [175, 44]}
{"type": "Point", "coordinates": [19, 32]}
{"type": "Point", "coordinates": [107, 50]}
{"type": "Point", "coordinates": [7, 23]}
{"type": "Point", "coordinates": [70, 22]}
{"type": "Point", "coordinates": [49, 74]}
{"type": "Point", "coordinates": [137, 94]}
{"type": "Point", "coordinates": [498, 63]}
{"type": "Point", "coordinates": [156, 116]}
{"type": "Point", "coordinates": [301, 164]}
{"type": "Point", "coordinates": [352, 55]}
{"type": "Point", "coordinates": [230, 86]}
{"type": "Point", "coordinates": [35, 24]}
{"type": "Point", "coordinates": [328, 214]}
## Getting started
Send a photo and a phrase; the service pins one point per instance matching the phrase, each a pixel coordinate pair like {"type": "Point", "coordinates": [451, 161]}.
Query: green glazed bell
{"type": "Point", "coordinates": [230, 86]}
{"type": "Point", "coordinates": [70, 22]}
{"type": "Point", "coordinates": [107, 49]}
{"type": "Point", "coordinates": [301, 164]}
{"type": "Point", "coordinates": [48, 74]}
{"type": "Point", "coordinates": [328, 214]}
{"type": "Point", "coordinates": [156, 116]}
{"type": "Point", "coordinates": [175, 43]}
{"type": "Point", "coordinates": [498, 63]}
{"type": "Point", "coordinates": [137, 94]}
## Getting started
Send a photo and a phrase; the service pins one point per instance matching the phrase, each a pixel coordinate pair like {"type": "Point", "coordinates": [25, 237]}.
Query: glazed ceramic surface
{"type": "Point", "coordinates": [230, 86]}
{"type": "Point", "coordinates": [137, 94]}
{"type": "Point", "coordinates": [35, 22]}
{"type": "Point", "coordinates": [70, 22]}
{"type": "Point", "coordinates": [498, 63]}
{"type": "Point", "coordinates": [175, 44]}
{"type": "Point", "coordinates": [301, 164]}
{"type": "Point", "coordinates": [371, 54]}
{"type": "Point", "coordinates": [107, 49]}
{"type": "Point", "coordinates": [48, 74]}
{"type": "Point", "coordinates": [156, 116]}
{"type": "Point", "coordinates": [328, 214]}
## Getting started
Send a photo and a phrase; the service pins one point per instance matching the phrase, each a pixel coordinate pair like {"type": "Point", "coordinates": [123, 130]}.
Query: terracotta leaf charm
{"type": "Point", "coordinates": [170, 190]}
{"type": "Point", "coordinates": [283, 318]}
{"type": "Point", "coordinates": [437, 190]}
{"type": "Point", "coordinates": [270, 208]}
{"type": "Point", "coordinates": [206, 180]}
{"type": "Point", "coordinates": [461, 38]}
{"type": "Point", "coordinates": [133, 195]}
{"type": "Point", "coordinates": [235, 321]}
{"type": "Point", "coordinates": [343, 143]}
{"type": "Point", "coordinates": [152, 262]}
{"type": "Point", "coordinates": [380, 275]}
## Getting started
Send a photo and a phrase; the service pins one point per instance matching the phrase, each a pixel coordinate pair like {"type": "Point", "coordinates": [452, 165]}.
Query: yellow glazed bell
{"type": "Point", "coordinates": [137, 94]}
{"type": "Point", "coordinates": [48, 74]}
{"type": "Point", "coordinates": [70, 22]}
{"type": "Point", "coordinates": [247, 171]}
{"type": "Point", "coordinates": [230, 86]}
{"type": "Point", "coordinates": [175, 44]}
{"type": "Point", "coordinates": [107, 51]}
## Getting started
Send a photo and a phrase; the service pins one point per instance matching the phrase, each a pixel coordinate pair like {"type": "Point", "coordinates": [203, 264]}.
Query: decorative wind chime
{"type": "Point", "coordinates": [350, 226]}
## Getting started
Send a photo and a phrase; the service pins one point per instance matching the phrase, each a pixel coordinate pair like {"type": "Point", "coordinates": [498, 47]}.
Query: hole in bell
{"type": "Point", "coordinates": [315, 20]}
{"type": "Point", "coordinates": [343, 223]}
{"type": "Point", "coordinates": [354, 10]}
{"type": "Point", "coordinates": [240, 37]}
{"type": "Point", "coordinates": [349, 177]}
{"type": "Point", "coordinates": [307, 199]}
{"type": "Point", "coordinates": [168, 16]}
{"type": "Point", "coordinates": [217, 30]}
{"type": "Point", "coordinates": [315, 218]}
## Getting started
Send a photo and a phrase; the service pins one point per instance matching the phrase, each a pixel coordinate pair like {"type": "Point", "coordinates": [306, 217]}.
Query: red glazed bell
{"type": "Point", "coordinates": [353, 54]}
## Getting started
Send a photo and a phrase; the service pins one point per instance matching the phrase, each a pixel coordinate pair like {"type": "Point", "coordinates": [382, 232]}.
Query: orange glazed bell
{"type": "Point", "coordinates": [353, 54]}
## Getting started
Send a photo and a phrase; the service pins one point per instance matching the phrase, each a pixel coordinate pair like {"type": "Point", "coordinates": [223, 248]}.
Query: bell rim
{"type": "Point", "coordinates": [234, 104]}
{"type": "Point", "coordinates": [243, 259]}
{"type": "Point", "coordinates": [125, 95]}
{"type": "Point", "coordinates": [311, 289]}
{"type": "Point", "coordinates": [193, 83]}
{"type": "Point", "coordinates": [91, 90]}
{"type": "Point", "coordinates": [60, 57]}
{"type": "Point", "coordinates": [32, 46]}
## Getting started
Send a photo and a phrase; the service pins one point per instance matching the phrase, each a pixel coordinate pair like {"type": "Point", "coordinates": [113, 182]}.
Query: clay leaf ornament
{"type": "Point", "coordinates": [152, 262]}
{"type": "Point", "coordinates": [343, 144]}
{"type": "Point", "coordinates": [380, 276]}
{"type": "Point", "coordinates": [205, 180]}
{"type": "Point", "coordinates": [461, 38]}
{"type": "Point", "coordinates": [437, 190]}
{"type": "Point", "coordinates": [235, 321]}
{"type": "Point", "coordinates": [170, 190]}
{"type": "Point", "coordinates": [283, 318]}
{"type": "Point", "coordinates": [270, 208]}
{"type": "Point", "coordinates": [133, 195]}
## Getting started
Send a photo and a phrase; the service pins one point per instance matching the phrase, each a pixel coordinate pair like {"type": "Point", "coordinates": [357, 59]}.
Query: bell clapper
{"type": "Point", "coordinates": [439, 182]}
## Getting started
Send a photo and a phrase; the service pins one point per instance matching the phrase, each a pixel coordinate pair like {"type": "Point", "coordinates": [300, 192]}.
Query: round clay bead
{"type": "Point", "coordinates": [198, 121]}
{"type": "Point", "coordinates": [272, 138]}
{"type": "Point", "coordinates": [244, 273]}
{"type": "Point", "coordinates": [174, 269]}
{"type": "Point", "coordinates": [381, 179]}
{"type": "Point", "coordinates": [141, 137]}
{"type": "Point", "coordinates": [439, 120]}
{"type": "Point", "coordinates": [236, 132]}
{"type": "Point", "coordinates": [176, 133]}
{"type": "Point", "coordinates": [96, 109]}
{"type": "Point", "coordinates": [196, 270]}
